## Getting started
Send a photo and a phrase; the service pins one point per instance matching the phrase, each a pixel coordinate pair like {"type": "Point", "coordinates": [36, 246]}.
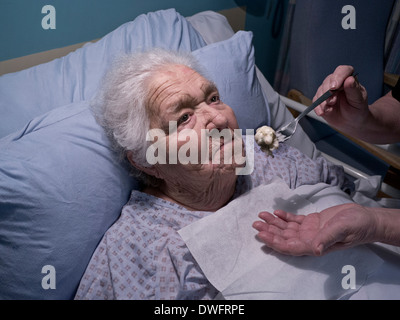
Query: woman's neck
{"type": "Point", "coordinates": [197, 196]}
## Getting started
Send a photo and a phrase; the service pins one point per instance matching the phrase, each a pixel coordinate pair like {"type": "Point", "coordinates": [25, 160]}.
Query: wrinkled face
{"type": "Point", "coordinates": [186, 106]}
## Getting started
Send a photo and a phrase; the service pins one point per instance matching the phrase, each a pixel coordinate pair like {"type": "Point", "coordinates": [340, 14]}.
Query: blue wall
{"type": "Point", "coordinates": [77, 21]}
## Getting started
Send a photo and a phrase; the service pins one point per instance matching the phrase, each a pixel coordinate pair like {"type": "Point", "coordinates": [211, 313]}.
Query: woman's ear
{"type": "Point", "coordinates": [151, 171]}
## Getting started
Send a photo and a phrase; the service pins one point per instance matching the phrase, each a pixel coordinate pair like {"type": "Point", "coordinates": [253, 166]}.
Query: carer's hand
{"type": "Point", "coordinates": [338, 227]}
{"type": "Point", "coordinates": [347, 108]}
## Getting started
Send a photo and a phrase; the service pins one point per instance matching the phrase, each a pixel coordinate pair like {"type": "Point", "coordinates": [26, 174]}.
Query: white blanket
{"type": "Point", "coordinates": [241, 267]}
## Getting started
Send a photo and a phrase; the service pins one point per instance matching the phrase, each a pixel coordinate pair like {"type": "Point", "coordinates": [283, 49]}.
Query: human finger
{"type": "Point", "coordinates": [289, 217]}
{"type": "Point", "coordinates": [325, 106]}
{"type": "Point", "coordinates": [319, 110]}
{"type": "Point", "coordinates": [292, 246]}
{"type": "Point", "coordinates": [338, 77]}
{"type": "Point", "coordinates": [273, 241]}
{"type": "Point", "coordinates": [356, 94]}
{"type": "Point", "coordinates": [271, 229]}
{"type": "Point", "coordinates": [282, 220]}
{"type": "Point", "coordinates": [332, 82]}
{"type": "Point", "coordinates": [273, 220]}
{"type": "Point", "coordinates": [337, 81]}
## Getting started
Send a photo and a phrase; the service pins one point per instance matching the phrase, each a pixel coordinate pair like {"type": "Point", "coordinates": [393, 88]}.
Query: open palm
{"type": "Point", "coordinates": [334, 228]}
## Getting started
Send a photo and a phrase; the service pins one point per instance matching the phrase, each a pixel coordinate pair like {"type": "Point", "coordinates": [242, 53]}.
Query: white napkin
{"type": "Point", "coordinates": [241, 267]}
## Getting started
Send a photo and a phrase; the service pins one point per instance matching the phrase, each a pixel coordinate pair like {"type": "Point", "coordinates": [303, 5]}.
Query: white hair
{"type": "Point", "coordinates": [120, 105]}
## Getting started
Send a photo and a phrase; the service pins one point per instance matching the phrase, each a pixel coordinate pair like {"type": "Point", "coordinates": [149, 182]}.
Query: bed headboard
{"type": "Point", "coordinates": [236, 17]}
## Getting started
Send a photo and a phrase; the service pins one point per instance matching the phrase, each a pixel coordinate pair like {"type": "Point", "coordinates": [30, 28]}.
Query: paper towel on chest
{"type": "Point", "coordinates": [241, 267]}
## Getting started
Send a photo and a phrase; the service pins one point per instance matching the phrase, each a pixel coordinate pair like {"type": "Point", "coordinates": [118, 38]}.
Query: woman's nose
{"type": "Point", "coordinates": [215, 119]}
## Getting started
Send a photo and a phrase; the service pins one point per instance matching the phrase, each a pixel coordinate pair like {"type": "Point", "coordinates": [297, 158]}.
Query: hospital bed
{"type": "Point", "coordinates": [61, 185]}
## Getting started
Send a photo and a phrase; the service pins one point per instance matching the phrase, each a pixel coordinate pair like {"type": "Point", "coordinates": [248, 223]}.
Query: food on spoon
{"type": "Point", "coordinates": [266, 138]}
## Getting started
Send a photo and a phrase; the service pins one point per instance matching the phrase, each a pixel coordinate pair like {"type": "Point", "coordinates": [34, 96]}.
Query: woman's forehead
{"type": "Point", "coordinates": [174, 81]}
{"type": "Point", "coordinates": [179, 73]}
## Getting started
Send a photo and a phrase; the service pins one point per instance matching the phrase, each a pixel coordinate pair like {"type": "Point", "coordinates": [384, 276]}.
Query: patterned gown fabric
{"type": "Point", "coordinates": [143, 257]}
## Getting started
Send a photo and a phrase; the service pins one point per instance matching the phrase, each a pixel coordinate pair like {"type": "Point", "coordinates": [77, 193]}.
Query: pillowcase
{"type": "Point", "coordinates": [230, 64]}
{"type": "Point", "coordinates": [212, 26]}
{"type": "Point", "coordinates": [61, 185]}
{"type": "Point", "coordinates": [75, 77]}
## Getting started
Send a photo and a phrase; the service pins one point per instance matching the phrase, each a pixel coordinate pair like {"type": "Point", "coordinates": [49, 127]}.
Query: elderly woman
{"type": "Point", "coordinates": [142, 256]}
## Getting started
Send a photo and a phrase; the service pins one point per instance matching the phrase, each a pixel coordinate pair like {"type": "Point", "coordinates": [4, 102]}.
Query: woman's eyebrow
{"type": "Point", "coordinates": [189, 102]}
{"type": "Point", "coordinates": [209, 88]}
{"type": "Point", "coordinates": [183, 103]}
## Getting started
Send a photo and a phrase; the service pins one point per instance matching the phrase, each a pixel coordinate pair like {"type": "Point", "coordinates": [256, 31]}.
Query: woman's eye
{"type": "Point", "coordinates": [183, 119]}
{"type": "Point", "coordinates": [214, 99]}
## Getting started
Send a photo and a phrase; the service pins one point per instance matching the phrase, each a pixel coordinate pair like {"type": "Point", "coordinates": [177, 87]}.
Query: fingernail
{"type": "Point", "coordinates": [333, 84]}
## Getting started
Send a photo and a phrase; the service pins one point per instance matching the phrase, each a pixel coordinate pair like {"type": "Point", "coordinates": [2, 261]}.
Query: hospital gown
{"type": "Point", "coordinates": [142, 256]}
